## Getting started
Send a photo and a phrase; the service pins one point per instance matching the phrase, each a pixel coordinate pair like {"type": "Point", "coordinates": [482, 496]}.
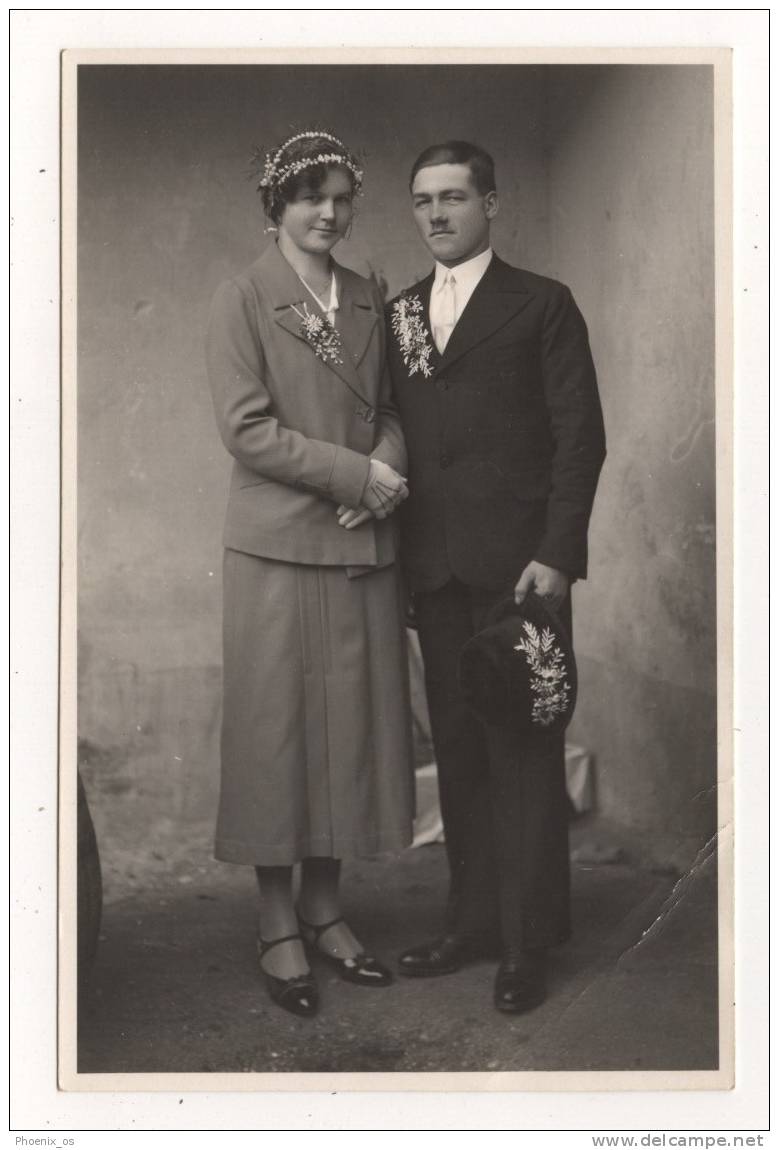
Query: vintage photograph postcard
{"type": "Point", "coordinates": [396, 695]}
{"type": "Point", "coordinates": [392, 408]}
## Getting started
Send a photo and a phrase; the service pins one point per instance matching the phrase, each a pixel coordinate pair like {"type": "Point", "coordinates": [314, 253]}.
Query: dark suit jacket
{"type": "Point", "coordinates": [504, 434]}
{"type": "Point", "coordinates": [301, 429]}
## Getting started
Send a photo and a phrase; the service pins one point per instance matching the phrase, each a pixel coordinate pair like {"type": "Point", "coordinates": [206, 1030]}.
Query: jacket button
{"type": "Point", "coordinates": [442, 385]}
{"type": "Point", "coordinates": [444, 460]}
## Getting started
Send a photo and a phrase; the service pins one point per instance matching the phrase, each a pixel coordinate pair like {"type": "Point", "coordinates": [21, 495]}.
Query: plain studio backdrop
{"type": "Point", "coordinates": [605, 178]}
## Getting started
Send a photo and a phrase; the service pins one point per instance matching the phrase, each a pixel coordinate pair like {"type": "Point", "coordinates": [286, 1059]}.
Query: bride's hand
{"type": "Point", "coordinates": [351, 517]}
{"type": "Point", "coordinates": [384, 490]}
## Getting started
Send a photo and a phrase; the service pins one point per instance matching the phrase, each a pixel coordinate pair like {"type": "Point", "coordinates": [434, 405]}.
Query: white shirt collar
{"type": "Point", "coordinates": [466, 274]}
{"type": "Point", "coordinates": [333, 304]}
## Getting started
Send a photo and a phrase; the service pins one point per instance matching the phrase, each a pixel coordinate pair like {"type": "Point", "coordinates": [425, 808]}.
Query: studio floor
{"type": "Point", "coordinates": [175, 986]}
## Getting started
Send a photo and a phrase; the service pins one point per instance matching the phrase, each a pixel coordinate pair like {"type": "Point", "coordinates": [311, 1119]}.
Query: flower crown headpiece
{"type": "Point", "coordinates": [275, 174]}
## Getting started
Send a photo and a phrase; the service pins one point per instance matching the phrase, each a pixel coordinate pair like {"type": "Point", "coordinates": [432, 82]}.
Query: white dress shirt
{"type": "Point", "coordinates": [452, 288]}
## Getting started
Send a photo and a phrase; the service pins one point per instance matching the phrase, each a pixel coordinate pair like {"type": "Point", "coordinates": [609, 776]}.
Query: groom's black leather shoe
{"type": "Point", "coordinates": [444, 955]}
{"type": "Point", "coordinates": [520, 983]}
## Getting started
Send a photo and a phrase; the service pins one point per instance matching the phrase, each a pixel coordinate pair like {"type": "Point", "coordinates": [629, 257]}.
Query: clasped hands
{"type": "Point", "coordinates": [383, 491]}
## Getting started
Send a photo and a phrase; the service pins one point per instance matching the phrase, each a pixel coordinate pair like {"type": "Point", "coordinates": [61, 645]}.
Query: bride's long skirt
{"type": "Point", "coordinates": [317, 753]}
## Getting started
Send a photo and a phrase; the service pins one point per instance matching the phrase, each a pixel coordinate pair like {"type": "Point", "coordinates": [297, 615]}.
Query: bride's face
{"type": "Point", "coordinates": [318, 217]}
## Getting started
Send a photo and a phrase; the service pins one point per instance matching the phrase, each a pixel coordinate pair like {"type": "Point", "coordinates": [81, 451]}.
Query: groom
{"type": "Point", "coordinates": [493, 376]}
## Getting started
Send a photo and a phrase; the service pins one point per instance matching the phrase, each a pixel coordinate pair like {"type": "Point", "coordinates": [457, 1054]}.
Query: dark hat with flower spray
{"type": "Point", "coordinates": [519, 673]}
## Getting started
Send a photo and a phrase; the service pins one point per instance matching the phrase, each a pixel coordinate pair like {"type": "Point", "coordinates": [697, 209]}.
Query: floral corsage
{"type": "Point", "coordinates": [411, 333]}
{"type": "Point", "coordinates": [321, 334]}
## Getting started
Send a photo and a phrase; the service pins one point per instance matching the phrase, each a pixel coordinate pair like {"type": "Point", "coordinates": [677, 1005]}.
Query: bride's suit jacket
{"type": "Point", "coordinates": [504, 433]}
{"type": "Point", "coordinates": [301, 429]}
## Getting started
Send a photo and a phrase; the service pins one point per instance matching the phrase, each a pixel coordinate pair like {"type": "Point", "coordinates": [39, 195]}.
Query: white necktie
{"type": "Point", "coordinates": [447, 312]}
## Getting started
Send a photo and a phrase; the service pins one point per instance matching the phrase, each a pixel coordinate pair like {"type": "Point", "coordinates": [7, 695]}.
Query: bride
{"type": "Point", "coordinates": [316, 758]}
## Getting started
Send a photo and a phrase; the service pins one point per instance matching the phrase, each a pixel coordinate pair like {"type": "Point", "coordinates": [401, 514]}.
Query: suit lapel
{"type": "Point", "coordinates": [427, 291]}
{"type": "Point", "coordinates": [497, 298]}
{"type": "Point", "coordinates": [355, 321]}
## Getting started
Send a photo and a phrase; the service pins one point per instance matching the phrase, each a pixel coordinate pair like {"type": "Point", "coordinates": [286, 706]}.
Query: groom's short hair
{"type": "Point", "coordinates": [481, 163]}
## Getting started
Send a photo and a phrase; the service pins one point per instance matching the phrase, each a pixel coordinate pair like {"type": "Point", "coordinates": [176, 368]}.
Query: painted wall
{"type": "Point", "coordinates": [631, 229]}
{"type": "Point", "coordinates": [604, 178]}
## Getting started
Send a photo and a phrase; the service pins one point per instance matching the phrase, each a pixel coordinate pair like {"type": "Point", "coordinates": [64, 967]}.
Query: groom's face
{"type": "Point", "coordinates": [452, 215]}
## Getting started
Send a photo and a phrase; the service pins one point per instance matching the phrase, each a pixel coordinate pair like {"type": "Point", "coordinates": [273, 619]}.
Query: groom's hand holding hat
{"type": "Point", "coordinates": [548, 583]}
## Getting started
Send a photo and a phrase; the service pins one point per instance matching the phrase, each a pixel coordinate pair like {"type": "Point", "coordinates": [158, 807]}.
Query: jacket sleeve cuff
{"type": "Point", "coordinates": [348, 476]}
{"type": "Point", "coordinates": [388, 452]}
{"type": "Point", "coordinates": [572, 565]}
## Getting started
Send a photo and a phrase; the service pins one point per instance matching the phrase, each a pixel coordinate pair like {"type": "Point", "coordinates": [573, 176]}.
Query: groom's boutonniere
{"type": "Point", "coordinates": [320, 333]}
{"type": "Point", "coordinates": [411, 334]}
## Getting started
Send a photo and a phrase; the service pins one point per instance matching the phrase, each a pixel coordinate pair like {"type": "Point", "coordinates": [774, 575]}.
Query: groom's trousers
{"type": "Point", "coordinates": [503, 798]}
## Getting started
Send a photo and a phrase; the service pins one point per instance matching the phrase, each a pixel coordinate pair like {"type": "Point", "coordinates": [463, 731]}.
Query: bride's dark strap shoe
{"type": "Point", "coordinates": [362, 969]}
{"type": "Point", "coordinates": [299, 995]}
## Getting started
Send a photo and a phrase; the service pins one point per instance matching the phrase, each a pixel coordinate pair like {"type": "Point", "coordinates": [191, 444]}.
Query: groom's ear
{"type": "Point", "coordinates": [491, 205]}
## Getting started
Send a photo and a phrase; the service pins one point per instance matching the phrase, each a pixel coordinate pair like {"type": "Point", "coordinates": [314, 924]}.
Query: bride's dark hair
{"type": "Point", "coordinates": [302, 161]}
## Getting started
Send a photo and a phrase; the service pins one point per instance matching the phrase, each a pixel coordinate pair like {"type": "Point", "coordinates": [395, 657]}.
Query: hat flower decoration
{"type": "Point", "coordinates": [519, 672]}
{"type": "Point", "coordinates": [547, 673]}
